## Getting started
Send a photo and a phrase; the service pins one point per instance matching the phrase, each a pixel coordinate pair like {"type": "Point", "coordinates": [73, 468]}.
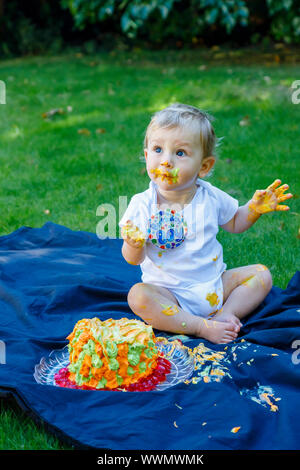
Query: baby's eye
{"type": "Point", "coordinates": [157, 148]}
{"type": "Point", "coordinates": [180, 152]}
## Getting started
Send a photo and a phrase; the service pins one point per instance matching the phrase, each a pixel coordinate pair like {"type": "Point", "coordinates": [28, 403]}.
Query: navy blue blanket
{"type": "Point", "coordinates": [244, 397]}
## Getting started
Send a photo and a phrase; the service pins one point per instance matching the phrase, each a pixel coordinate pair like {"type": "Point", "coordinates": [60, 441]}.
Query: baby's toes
{"type": "Point", "coordinates": [228, 338]}
{"type": "Point", "coordinates": [233, 326]}
{"type": "Point", "coordinates": [238, 322]}
{"type": "Point", "coordinates": [231, 331]}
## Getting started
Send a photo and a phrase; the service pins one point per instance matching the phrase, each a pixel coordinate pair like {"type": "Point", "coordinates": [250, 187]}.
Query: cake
{"type": "Point", "coordinates": [133, 232]}
{"type": "Point", "coordinates": [113, 353]}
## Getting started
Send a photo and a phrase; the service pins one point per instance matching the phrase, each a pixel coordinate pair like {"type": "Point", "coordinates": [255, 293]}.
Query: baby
{"type": "Point", "coordinates": [170, 231]}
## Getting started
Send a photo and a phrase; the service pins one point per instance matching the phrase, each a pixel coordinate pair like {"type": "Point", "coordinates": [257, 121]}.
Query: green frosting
{"type": "Point", "coordinates": [76, 336]}
{"type": "Point", "coordinates": [101, 383]}
{"type": "Point", "coordinates": [75, 368]}
{"type": "Point", "coordinates": [133, 358]}
{"type": "Point", "coordinates": [89, 347]}
{"type": "Point", "coordinates": [142, 367]}
{"type": "Point", "coordinates": [72, 368]}
{"type": "Point", "coordinates": [96, 361]}
{"type": "Point", "coordinates": [98, 337]}
{"type": "Point", "coordinates": [86, 379]}
{"type": "Point", "coordinates": [136, 348]}
{"type": "Point", "coordinates": [174, 173]}
{"type": "Point", "coordinates": [78, 378]}
{"type": "Point", "coordinates": [81, 357]}
{"type": "Point", "coordinates": [119, 379]}
{"type": "Point", "coordinates": [149, 353]}
{"type": "Point", "coordinates": [113, 364]}
{"type": "Point", "coordinates": [130, 370]}
{"type": "Point", "coordinates": [111, 349]}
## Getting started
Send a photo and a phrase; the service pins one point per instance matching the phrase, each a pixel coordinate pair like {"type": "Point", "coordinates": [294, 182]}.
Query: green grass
{"type": "Point", "coordinates": [51, 172]}
{"type": "Point", "coordinates": [19, 432]}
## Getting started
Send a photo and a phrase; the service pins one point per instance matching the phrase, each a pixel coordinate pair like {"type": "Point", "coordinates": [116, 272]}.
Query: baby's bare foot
{"type": "Point", "coordinates": [226, 316]}
{"type": "Point", "coordinates": [217, 331]}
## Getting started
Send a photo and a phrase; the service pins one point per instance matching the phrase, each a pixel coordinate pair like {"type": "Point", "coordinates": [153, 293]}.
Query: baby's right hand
{"type": "Point", "coordinates": [133, 235]}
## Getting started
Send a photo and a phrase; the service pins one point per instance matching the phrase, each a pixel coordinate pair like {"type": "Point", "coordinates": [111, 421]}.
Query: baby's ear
{"type": "Point", "coordinates": [146, 153]}
{"type": "Point", "coordinates": [207, 165]}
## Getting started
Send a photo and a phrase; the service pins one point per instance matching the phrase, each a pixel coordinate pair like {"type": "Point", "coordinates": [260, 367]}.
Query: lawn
{"type": "Point", "coordinates": [61, 166]}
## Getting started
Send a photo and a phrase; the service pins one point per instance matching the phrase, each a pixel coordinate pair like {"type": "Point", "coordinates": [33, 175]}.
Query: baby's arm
{"type": "Point", "coordinates": [240, 223]}
{"type": "Point", "coordinates": [133, 248]}
{"type": "Point", "coordinates": [262, 202]}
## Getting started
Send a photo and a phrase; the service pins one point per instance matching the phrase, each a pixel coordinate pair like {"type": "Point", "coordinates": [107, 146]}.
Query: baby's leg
{"type": "Point", "coordinates": [157, 306]}
{"type": "Point", "coordinates": [244, 289]}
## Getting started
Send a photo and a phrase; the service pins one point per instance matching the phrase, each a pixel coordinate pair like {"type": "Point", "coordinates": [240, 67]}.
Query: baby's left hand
{"type": "Point", "coordinates": [267, 200]}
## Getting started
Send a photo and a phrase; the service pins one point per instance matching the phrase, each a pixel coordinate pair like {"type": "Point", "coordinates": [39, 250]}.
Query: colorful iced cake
{"type": "Point", "coordinates": [113, 353]}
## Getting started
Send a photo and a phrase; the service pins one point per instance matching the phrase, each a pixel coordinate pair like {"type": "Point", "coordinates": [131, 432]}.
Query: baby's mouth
{"type": "Point", "coordinates": [171, 176]}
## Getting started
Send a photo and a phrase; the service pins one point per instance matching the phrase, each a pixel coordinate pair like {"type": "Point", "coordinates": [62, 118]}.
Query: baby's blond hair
{"type": "Point", "coordinates": [181, 115]}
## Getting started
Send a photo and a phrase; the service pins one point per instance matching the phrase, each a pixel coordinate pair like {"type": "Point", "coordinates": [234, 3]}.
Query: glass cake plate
{"type": "Point", "coordinates": [182, 365]}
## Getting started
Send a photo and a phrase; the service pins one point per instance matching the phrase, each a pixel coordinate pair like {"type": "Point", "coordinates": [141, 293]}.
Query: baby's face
{"type": "Point", "coordinates": [173, 157]}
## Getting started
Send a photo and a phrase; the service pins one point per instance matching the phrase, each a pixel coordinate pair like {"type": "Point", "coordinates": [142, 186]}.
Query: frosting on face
{"type": "Point", "coordinates": [171, 176]}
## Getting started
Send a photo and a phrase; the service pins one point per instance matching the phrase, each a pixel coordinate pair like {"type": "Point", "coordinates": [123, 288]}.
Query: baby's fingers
{"type": "Point", "coordinates": [281, 198]}
{"type": "Point", "coordinates": [279, 191]}
{"type": "Point", "coordinates": [133, 235]}
{"type": "Point", "coordinates": [259, 193]}
{"type": "Point", "coordinates": [284, 197]}
{"type": "Point", "coordinates": [274, 185]}
{"type": "Point", "coordinates": [126, 230]}
{"type": "Point", "coordinates": [282, 208]}
{"type": "Point", "coordinates": [129, 222]}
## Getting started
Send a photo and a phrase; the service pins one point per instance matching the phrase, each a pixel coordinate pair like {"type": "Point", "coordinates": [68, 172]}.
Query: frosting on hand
{"type": "Point", "coordinates": [267, 200]}
{"type": "Point", "coordinates": [133, 233]}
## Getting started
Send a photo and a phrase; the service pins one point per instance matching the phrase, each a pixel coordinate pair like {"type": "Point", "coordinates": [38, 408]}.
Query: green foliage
{"type": "Point", "coordinates": [285, 25]}
{"type": "Point", "coordinates": [49, 26]}
{"type": "Point", "coordinates": [185, 18]}
{"type": "Point", "coordinates": [32, 28]}
{"type": "Point", "coordinates": [133, 15]}
{"type": "Point", "coordinates": [227, 13]}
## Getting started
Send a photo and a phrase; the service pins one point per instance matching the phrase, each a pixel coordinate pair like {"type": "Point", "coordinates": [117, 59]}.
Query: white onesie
{"type": "Point", "coordinates": [182, 252]}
